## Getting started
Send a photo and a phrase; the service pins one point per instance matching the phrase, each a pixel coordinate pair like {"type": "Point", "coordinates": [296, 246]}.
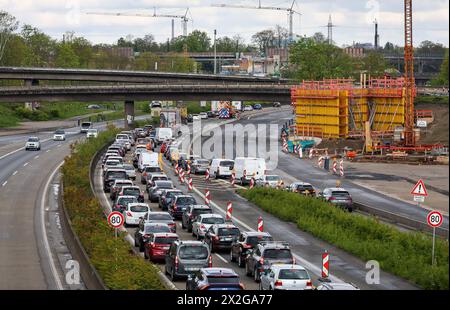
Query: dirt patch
{"type": "Point", "coordinates": [339, 144]}
{"type": "Point", "coordinates": [438, 131]}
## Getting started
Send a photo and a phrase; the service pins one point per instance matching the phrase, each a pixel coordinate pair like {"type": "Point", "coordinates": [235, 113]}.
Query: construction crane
{"type": "Point", "coordinates": [409, 76]}
{"type": "Point", "coordinates": [184, 18]}
{"type": "Point", "coordinates": [290, 11]}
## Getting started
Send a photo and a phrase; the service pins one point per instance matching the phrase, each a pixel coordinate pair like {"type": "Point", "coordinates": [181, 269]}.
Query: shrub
{"type": "Point", "coordinates": [106, 252]}
{"type": "Point", "coordinates": [406, 254]}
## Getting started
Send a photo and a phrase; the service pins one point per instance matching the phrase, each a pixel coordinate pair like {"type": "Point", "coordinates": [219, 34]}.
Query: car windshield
{"type": "Point", "coordinates": [126, 201]}
{"type": "Point", "coordinates": [223, 280]}
{"type": "Point", "coordinates": [113, 163]}
{"type": "Point", "coordinates": [193, 252]}
{"type": "Point", "coordinates": [159, 217]}
{"type": "Point", "coordinates": [117, 175]}
{"type": "Point", "coordinates": [227, 163]}
{"type": "Point", "coordinates": [85, 124]}
{"type": "Point", "coordinates": [277, 253]}
{"type": "Point", "coordinates": [228, 231]}
{"type": "Point", "coordinates": [139, 209]}
{"type": "Point", "coordinates": [213, 220]}
{"type": "Point", "coordinates": [340, 194]}
{"type": "Point", "coordinates": [128, 167]}
{"type": "Point", "coordinates": [165, 240]}
{"type": "Point", "coordinates": [131, 191]}
{"type": "Point", "coordinates": [159, 178]}
{"type": "Point", "coordinates": [92, 130]}
{"type": "Point", "coordinates": [33, 139]}
{"type": "Point", "coordinates": [272, 178]}
{"type": "Point", "coordinates": [293, 274]}
{"type": "Point", "coordinates": [121, 184]}
{"type": "Point", "coordinates": [156, 229]}
{"type": "Point", "coordinates": [305, 187]}
{"type": "Point", "coordinates": [202, 162]}
{"type": "Point", "coordinates": [122, 137]}
{"type": "Point", "coordinates": [59, 132]}
{"type": "Point", "coordinates": [165, 185]}
{"type": "Point", "coordinates": [186, 201]}
{"type": "Point", "coordinates": [201, 211]}
{"type": "Point", "coordinates": [254, 240]}
{"type": "Point", "coordinates": [152, 169]}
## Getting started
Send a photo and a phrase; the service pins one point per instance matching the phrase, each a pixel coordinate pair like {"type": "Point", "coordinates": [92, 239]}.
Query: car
{"type": "Point", "coordinates": [160, 217]}
{"type": "Point", "coordinates": [121, 203]}
{"type": "Point", "coordinates": [196, 117]}
{"type": "Point", "coordinates": [221, 236]}
{"type": "Point", "coordinates": [85, 126]}
{"type": "Point", "coordinates": [247, 167]}
{"type": "Point", "coordinates": [118, 148]}
{"type": "Point", "coordinates": [112, 163]}
{"type": "Point", "coordinates": [59, 135]}
{"type": "Point", "coordinates": [257, 106]}
{"type": "Point", "coordinates": [302, 188]}
{"type": "Point", "coordinates": [203, 115]}
{"type": "Point", "coordinates": [163, 134]}
{"type": "Point", "coordinates": [247, 241]}
{"type": "Point", "coordinates": [148, 171]}
{"type": "Point", "coordinates": [155, 104]}
{"type": "Point", "coordinates": [111, 175]}
{"type": "Point", "coordinates": [211, 114]}
{"type": "Point", "coordinates": [248, 108]}
{"type": "Point", "coordinates": [143, 233]}
{"type": "Point", "coordinates": [264, 255]}
{"type": "Point", "coordinates": [134, 212]}
{"type": "Point", "coordinates": [191, 213]}
{"type": "Point", "coordinates": [132, 191]}
{"type": "Point", "coordinates": [285, 277]}
{"type": "Point", "coordinates": [203, 222]}
{"type": "Point", "coordinates": [158, 245]}
{"type": "Point", "coordinates": [338, 196]}
{"type": "Point", "coordinates": [186, 257]}
{"type": "Point", "coordinates": [328, 285]}
{"type": "Point", "coordinates": [92, 133]}
{"type": "Point", "coordinates": [199, 166]}
{"type": "Point", "coordinates": [214, 279]}
{"type": "Point", "coordinates": [117, 187]}
{"type": "Point", "coordinates": [179, 204]}
{"type": "Point", "coordinates": [93, 107]}
{"type": "Point", "coordinates": [166, 197]}
{"type": "Point", "coordinates": [131, 173]}
{"type": "Point", "coordinates": [152, 178]}
{"type": "Point", "coordinates": [221, 167]}
{"type": "Point", "coordinates": [274, 181]}
{"type": "Point", "coordinates": [155, 191]}
{"type": "Point", "coordinates": [125, 139]}
{"type": "Point", "coordinates": [33, 143]}
{"type": "Point", "coordinates": [276, 104]}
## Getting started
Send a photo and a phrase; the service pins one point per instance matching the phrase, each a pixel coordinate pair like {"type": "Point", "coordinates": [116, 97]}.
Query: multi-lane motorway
{"type": "Point", "coordinates": [32, 253]}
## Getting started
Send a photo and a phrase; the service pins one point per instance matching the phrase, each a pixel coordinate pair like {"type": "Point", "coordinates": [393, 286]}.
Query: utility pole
{"type": "Point", "coordinates": [215, 52]}
{"type": "Point", "coordinates": [173, 29]}
{"type": "Point", "coordinates": [377, 37]}
{"type": "Point", "coordinates": [330, 30]}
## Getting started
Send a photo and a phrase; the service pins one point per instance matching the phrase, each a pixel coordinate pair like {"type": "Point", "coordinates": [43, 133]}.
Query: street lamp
{"type": "Point", "coordinates": [215, 52]}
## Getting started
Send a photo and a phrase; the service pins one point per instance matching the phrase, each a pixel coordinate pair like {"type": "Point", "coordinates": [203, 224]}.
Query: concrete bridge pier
{"type": "Point", "coordinates": [129, 114]}
{"type": "Point", "coordinates": [31, 82]}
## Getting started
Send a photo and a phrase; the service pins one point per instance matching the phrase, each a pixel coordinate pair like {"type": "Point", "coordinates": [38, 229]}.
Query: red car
{"type": "Point", "coordinates": [158, 244]}
{"type": "Point", "coordinates": [163, 148]}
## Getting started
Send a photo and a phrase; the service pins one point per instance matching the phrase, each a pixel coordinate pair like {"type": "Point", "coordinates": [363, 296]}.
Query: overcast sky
{"type": "Point", "coordinates": [353, 18]}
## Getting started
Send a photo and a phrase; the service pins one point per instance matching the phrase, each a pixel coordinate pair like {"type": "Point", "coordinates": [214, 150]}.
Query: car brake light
{"type": "Point", "coordinates": [202, 226]}
{"type": "Point", "coordinates": [176, 262]}
{"type": "Point", "coordinates": [129, 214]}
{"type": "Point", "coordinates": [152, 244]}
{"type": "Point", "coordinates": [146, 236]}
{"type": "Point", "coordinates": [247, 246]}
{"type": "Point", "coordinates": [278, 283]}
{"type": "Point", "coordinates": [171, 224]}
{"type": "Point", "coordinates": [216, 238]}
{"type": "Point", "coordinates": [332, 198]}
{"type": "Point", "coordinates": [174, 206]}
{"type": "Point", "coordinates": [309, 283]}
{"type": "Point", "coordinates": [261, 261]}
{"type": "Point", "coordinates": [293, 260]}
{"type": "Point", "coordinates": [210, 261]}
{"type": "Point", "coordinates": [145, 174]}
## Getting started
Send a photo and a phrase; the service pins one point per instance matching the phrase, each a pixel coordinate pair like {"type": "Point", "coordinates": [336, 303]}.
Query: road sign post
{"type": "Point", "coordinates": [420, 192]}
{"type": "Point", "coordinates": [116, 220]}
{"type": "Point", "coordinates": [434, 219]}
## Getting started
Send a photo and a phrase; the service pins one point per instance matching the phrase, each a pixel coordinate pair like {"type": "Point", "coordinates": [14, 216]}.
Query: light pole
{"type": "Point", "coordinates": [215, 52]}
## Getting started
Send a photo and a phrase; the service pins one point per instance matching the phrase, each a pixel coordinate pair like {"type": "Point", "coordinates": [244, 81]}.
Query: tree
{"type": "Point", "coordinates": [319, 37]}
{"type": "Point", "coordinates": [145, 44]}
{"type": "Point", "coordinates": [146, 61]}
{"type": "Point", "coordinates": [66, 57]}
{"type": "Point", "coordinates": [442, 79]}
{"type": "Point", "coordinates": [428, 47]}
{"type": "Point", "coordinates": [42, 47]}
{"type": "Point", "coordinates": [374, 64]}
{"type": "Point", "coordinates": [263, 39]}
{"type": "Point", "coordinates": [196, 41]}
{"type": "Point", "coordinates": [83, 49]}
{"type": "Point", "coordinates": [281, 35]}
{"type": "Point", "coordinates": [8, 24]}
{"type": "Point", "coordinates": [16, 52]}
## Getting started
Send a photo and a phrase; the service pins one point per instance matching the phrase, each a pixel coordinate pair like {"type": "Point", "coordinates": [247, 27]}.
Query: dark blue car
{"type": "Point", "coordinates": [214, 279]}
{"type": "Point", "coordinates": [257, 106]}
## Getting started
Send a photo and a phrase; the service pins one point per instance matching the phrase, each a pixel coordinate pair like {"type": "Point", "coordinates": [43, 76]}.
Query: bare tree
{"type": "Point", "coordinates": [8, 24]}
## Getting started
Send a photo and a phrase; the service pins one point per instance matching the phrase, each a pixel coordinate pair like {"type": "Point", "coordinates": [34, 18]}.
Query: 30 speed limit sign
{"type": "Point", "coordinates": [116, 219]}
{"type": "Point", "coordinates": [434, 219]}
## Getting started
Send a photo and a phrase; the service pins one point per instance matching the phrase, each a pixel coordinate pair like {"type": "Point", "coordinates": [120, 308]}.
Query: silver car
{"type": "Point", "coordinates": [270, 181]}
{"type": "Point", "coordinates": [131, 173]}
{"type": "Point", "coordinates": [285, 277]}
{"type": "Point", "coordinates": [199, 166]}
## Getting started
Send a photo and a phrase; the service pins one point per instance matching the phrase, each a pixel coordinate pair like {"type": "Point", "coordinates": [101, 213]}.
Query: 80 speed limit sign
{"type": "Point", "coordinates": [434, 219]}
{"type": "Point", "coordinates": [116, 219]}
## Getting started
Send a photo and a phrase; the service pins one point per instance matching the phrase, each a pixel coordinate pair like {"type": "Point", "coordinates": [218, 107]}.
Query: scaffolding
{"type": "Point", "coordinates": [337, 108]}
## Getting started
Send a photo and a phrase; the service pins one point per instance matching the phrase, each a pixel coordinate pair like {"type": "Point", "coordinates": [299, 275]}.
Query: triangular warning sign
{"type": "Point", "coordinates": [419, 189]}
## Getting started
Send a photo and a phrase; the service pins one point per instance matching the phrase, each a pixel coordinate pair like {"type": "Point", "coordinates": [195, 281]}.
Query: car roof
{"type": "Point", "coordinates": [201, 207]}
{"type": "Point", "coordinates": [155, 224]}
{"type": "Point", "coordinates": [181, 196]}
{"type": "Point", "coordinates": [257, 233]}
{"type": "Point", "coordinates": [191, 242]}
{"type": "Point", "coordinates": [160, 212]}
{"type": "Point", "coordinates": [138, 204]}
{"type": "Point", "coordinates": [216, 271]}
{"type": "Point", "coordinates": [211, 215]}
{"type": "Point", "coordinates": [116, 170]}
{"type": "Point", "coordinates": [123, 181]}
{"type": "Point", "coordinates": [286, 266]}
{"type": "Point", "coordinates": [163, 234]}
{"type": "Point", "coordinates": [274, 244]}
{"type": "Point", "coordinates": [225, 225]}
{"type": "Point", "coordinates": [301, 183]}
{"type": "Point", "coordinates": [340, 286]}
{"type": "Point", "coordinates": [157, 174]}
{"type": "Point", "coordinates": [126, 197]}
{"type": "Point", "coordinates": [337, 189]}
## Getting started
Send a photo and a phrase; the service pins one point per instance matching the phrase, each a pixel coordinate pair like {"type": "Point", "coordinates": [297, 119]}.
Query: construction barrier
{"type": "Point", "coordinates": [229, 210]}
{"type": "Point", "coordinates": [207, 176]}
{"type": "Point", "coordinates": [325, 264]}
{"type": "Point", "coordinates": [207, 197]}
{"type": "Point", "coordinates": [190, 184]}
{"type": "Point", "coordinates": [334, 167]}
{"type": "Point", "coordinates": [233, 179]}
{"type": "Point", "coordinates": [341, 167]}
{"type": "Point", "coordinates": [260, 224]}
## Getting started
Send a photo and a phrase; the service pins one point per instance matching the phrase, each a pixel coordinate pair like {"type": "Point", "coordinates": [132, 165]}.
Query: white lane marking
{"type": "Point", "coordinates": [4, 183]}
{"type": "Point", "coordinates": [20, 149]}
{"type": "Point", "coordinates": [222, 259]}
{"type": "Point", "coordinates": [44, 229]}
{"type": "Point", "coordinates": [15, 172]}
{"type": "Point", "coordinates": [25, 164]}
{"type": "Point", "coordinates": [36, 157]}
{"type": "Point", "coordinates": [59, 145]}
{"type": "Point", "coordinates": [47, 151]}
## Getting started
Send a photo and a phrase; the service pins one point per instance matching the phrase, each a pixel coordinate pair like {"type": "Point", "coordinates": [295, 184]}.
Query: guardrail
{"type": "Point", "coordinates": [401, 220]}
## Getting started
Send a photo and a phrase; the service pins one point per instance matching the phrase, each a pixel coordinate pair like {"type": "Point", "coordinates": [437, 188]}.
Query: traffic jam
{"type": "Point", "coordinates": [150, 187]}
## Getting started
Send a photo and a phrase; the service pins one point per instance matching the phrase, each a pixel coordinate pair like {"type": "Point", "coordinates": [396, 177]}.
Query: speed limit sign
{"type": "Point", "coordinates": [434, 219]}
{"type": "Point", "coordinates": [116, 219]}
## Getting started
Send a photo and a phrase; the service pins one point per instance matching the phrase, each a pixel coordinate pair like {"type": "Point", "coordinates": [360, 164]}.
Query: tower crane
{"type": "Point", "coordinates": [409, 76]}
{"type": "Point", "coordinates": [290, 11]}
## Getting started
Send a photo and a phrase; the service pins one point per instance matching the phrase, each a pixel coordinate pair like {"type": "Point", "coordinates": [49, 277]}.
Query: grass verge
{"type": "Point", "coordinates": [404, 254]}
{"type": "Point", "coordinates": [107, 254]}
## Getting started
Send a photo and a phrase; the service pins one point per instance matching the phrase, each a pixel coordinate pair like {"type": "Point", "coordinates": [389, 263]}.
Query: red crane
{"type": "Point", "coordinates": [409, 76]}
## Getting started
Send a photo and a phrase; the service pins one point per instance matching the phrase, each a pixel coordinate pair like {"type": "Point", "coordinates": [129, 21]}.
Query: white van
{"type": "Point", "coordinates": [251, 166]}
{"type": "Point", "coordinates": [122, 137]}
{"type": "Point", "coordinates": [148, 159]}
{"type": "Point", "coordinates": [221, 167]}
{"type": "Point", "coordinates": [163, 134]}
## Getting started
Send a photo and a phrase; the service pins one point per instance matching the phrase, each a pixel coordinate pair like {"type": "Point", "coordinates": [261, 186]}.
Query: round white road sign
{"type": "Point", "coordinates": [116, 219]}
{"type": "Point", "coordinates": [434, 219]}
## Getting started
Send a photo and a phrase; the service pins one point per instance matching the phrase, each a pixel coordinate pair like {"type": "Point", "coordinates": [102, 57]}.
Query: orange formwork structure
{"type": "Point", "coordinates": [340, 109]}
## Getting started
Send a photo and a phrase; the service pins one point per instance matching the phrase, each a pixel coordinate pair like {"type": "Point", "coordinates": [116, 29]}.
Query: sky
{"type": "Point", "coordinates": [353, 19]}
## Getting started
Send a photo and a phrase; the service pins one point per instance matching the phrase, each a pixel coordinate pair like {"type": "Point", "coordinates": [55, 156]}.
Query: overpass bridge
{"type": "Point", "coordinates": [32, 76]}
